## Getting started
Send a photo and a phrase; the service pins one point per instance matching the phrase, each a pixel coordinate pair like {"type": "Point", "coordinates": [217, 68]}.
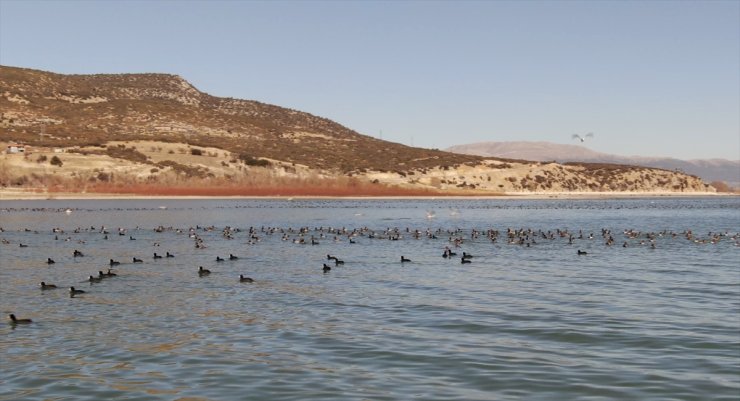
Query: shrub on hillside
{"type": "Point", "coordinates": [251, 161]}
{"type": "Point", "coordinates": [56, 161]}
{"type": "Point", "coordinates": [122, 152]}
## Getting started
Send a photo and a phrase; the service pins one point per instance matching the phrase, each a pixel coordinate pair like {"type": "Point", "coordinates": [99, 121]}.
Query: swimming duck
{"type": "Point", "coordinates": [463, 260]}
{"type": "Point", "coordinates": [243, 279]}
{"type": "Point", "coordinates": [45, 286]}
{"type": "Point", "coordinates": [338, 262]}
{"type": "Point", "coordinates": [138, 260]}
{"type": "Point", "coordinates": [403, 259]}
{"type": "Point", "coordinates": [326, 268]}
{"type": "Point", "coordinates": [15, 320]}
{"type": "Point", "coordinates": [114, 262]}
{"type": "Point", "coordinates": [580, 252]}
{"type": "Point", "coordinates": [157, 256]}
{"type": "Point", "coordinates": [169, 255]}
{"type": "Point", "coordinates": [94, 279]}
{"type": "Point", "coordinates": [73, 291]}
{"type": "Point", "coordinates": [203, 272]}
{"type": "Point", "coordinates": [77, 254]}
{"type": "Point", "coordinates": [232, 257]}
{"type": "Point", "coordinates": [219, 259]}
{"type": "Point", "coordinates": [50, 261]}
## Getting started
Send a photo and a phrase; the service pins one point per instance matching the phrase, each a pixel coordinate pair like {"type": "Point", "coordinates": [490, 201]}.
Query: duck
{"type": "Point", "coordinates": [326, 268]}
{"type": "Point", "coordinates": [467, 256]}
{"type": "Point", "coordinates": [23, 245]}
{"type": "Point", "coordinates": [50, 261]}
{"type": "Point", "coordinates": [95, 279]}
{"type": "Point", "coordinates": [77, 254]}
{"type": "Point", "coordinates": [169, 255]}
{"type": "Point", "coordinates": [73, 291]}
{"type": "Point", "coordinates": [45, 286]}
{"type": "Point", "coordinates": [114, 262]}
{"type": "Point", "coordinates": [243, 279]}
{"type": "Point", "coordinates": [338, 262]}
{"type": "Point", "coordinates": [463, 260]}
{"type": "Point", "coordinates": [203, 272]}
{"type": "Point", "coordinates": [232, 257]}
{"type": "Point", "coordinates": [580, 252]}
{"type": "Point", "coordinates": [403, 259]}
{"type": "Point", "coordinates": [104, 275]}
{"type": "Point", "coordinates": [136, 260]}
{"type": "Point", "coordinates": [157, 256]}
{"type": "Point", "coordinates": [329, 257]}
{"type": "Point", "coordinates": [219, 259]}
{"type": "Point", "coordinates": [15, 320]}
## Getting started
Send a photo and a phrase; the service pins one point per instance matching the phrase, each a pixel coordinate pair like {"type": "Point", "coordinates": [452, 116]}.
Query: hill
{"type": "Point", "coordinates": [84, 110]}
{"type": "Point", "coordinates": [709, 170]}
{"type": "Point", "coordinates": [115, 132]}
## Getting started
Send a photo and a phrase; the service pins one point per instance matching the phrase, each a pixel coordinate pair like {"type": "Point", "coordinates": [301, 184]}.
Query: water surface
{"type": "Point", "coordinates": [527, 319]}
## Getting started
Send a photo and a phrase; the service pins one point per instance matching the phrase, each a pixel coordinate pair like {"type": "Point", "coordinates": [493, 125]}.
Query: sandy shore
{"type": "Point", "coordinates": [18, 194]}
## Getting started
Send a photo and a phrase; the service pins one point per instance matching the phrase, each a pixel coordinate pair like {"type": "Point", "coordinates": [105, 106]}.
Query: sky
{"type": "Point", "coordinates": [648, 78]}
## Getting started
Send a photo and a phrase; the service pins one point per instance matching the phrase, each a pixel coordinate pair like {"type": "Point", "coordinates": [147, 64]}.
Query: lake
{"type": "Point", "coordinates": [652, 315]}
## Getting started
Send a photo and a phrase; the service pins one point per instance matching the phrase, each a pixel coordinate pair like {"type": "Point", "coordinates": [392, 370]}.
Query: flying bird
{"type": "Point", "coordinates": [583, 138]}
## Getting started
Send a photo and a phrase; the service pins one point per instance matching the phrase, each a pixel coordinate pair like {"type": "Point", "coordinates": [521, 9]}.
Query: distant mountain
{"type": "Point", "coordinates": [709, 170]}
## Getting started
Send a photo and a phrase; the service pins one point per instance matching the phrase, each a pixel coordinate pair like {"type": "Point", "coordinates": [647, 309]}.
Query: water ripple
{"type": "Point", "coordinates": [535, 323]}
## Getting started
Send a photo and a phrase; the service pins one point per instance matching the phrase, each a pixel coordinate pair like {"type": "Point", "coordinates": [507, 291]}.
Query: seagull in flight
{"type": "Point", "coordinates": [583, 138]}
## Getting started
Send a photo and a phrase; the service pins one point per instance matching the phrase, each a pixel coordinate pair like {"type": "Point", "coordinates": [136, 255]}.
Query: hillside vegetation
{"type": "Point", "coordinates": [710, 170]}
{"type": "Point", "coordinates": [112, 132]}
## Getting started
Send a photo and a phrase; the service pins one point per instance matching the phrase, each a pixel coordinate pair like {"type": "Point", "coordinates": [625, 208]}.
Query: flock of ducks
{"type": "Point", "coordinates": [305, 236]}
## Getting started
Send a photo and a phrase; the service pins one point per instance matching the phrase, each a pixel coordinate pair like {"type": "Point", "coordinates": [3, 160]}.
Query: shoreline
{"type": "Point", "coordinates": [19, 195]}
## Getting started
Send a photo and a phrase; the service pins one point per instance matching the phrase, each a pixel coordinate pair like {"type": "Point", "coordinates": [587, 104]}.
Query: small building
{"type": "Point", "coordinates": [15, 148]}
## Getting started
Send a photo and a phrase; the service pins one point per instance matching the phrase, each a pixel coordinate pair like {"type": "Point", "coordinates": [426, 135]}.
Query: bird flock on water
{"type": "Point", "coordinates": [453, 240]}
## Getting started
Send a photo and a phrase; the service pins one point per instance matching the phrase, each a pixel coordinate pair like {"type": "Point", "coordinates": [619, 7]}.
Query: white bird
{"type": "Point", "coordinates": [583, 138]}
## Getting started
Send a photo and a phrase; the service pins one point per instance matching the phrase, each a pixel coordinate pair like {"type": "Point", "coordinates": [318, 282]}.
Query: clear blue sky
{"type": "Point", "coordinates": [650, 78]}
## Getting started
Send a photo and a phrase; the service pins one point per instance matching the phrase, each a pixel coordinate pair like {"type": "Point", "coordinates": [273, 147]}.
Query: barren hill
{"type": "Point", "coordinates": [78, 110]}
{"type": "Point", "coordinates": [116, 132]}
{"type": "Point", "coordinates": [709, 170]}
